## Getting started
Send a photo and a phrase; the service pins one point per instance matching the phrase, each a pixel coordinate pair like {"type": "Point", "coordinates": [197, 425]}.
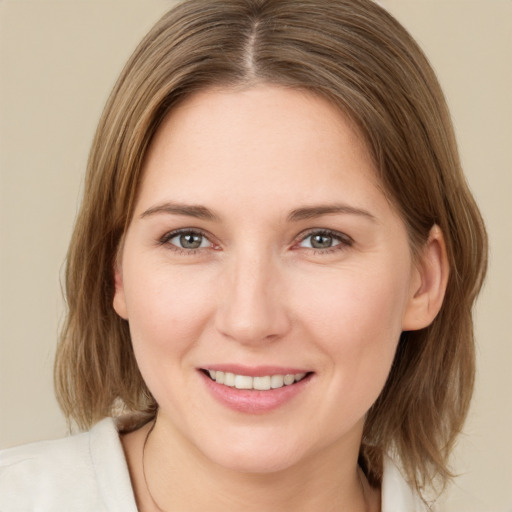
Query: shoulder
{"type": "Point", "coordinates": [396, 494]}
{"type": "Point", "coordinates": [84, 472]}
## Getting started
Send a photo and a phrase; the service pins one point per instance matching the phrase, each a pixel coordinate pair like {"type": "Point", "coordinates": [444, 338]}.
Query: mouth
{"type": "Point", "coordinates": [255, 390]}
{"type": "Point", "coordinates": [259, 383]}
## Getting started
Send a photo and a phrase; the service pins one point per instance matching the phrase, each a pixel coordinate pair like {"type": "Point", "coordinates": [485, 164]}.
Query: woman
{"type": "Point", "coordinates": [271, 277]}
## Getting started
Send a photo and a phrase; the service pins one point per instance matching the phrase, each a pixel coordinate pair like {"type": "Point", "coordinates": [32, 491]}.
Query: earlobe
{"type": "Point", "coordinates": [119, 302]}
{"type": "Point", "coordinates": [429, 284]}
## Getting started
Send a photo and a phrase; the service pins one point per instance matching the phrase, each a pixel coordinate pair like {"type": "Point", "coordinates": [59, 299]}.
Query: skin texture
{"type": "Point", "coordinates": [257, 293]}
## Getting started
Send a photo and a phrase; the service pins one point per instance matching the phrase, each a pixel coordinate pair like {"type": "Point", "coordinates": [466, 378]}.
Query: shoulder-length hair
{"type": "Point", "coordinates": [358, 57]}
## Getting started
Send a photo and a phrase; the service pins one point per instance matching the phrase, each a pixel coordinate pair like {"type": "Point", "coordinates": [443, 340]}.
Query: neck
{"type": "Point", "coordinates": [169, 474]}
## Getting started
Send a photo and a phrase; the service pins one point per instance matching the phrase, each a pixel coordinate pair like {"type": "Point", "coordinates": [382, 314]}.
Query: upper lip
{"type": "Point", "coordinates": [255, 371]}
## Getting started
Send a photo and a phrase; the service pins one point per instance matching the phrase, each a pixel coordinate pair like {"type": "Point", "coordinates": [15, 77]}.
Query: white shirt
{"type": "Point", "coordinates": [88, 473]}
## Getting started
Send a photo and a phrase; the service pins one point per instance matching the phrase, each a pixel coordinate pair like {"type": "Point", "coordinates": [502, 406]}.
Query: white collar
{"type": "Point", "coordinates": [396, 494]}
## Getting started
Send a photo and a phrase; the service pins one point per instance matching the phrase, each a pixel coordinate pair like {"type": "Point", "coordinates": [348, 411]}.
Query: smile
{"type": "Point", "coordinates": [263, 383]}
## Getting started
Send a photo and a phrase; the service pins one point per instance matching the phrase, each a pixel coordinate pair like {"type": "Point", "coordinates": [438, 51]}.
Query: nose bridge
{"type": "Point", "coordinates": [251, 308]}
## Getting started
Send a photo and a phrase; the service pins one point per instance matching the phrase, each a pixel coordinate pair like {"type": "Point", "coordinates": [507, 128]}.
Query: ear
{"type": "Point", "coordinates": [119, 301]}
{"type": "Point", "coordinates": [428, 285]}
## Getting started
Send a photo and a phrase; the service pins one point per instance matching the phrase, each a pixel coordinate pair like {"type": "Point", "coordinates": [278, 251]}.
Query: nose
{"type": "Point", "coordinates": [251, 302]}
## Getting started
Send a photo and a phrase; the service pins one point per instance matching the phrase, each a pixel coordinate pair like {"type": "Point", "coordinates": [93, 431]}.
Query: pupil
{"type": "Point", "coordinates": [190, 241]}
{"type": "Point", "coordinates": [321, 241]}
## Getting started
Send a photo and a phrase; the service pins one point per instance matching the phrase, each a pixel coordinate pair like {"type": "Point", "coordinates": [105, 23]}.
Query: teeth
{"type": "Point", "coordinates": [276, 381]}
{"type": "Point", "coordinates": [229, 379]}
{"type": "Point", "coordinates": [259, 383]}
{"type": "Point", "coordinates": [243, 382]}
{"type": "Point", "coordinates": [289, 379]}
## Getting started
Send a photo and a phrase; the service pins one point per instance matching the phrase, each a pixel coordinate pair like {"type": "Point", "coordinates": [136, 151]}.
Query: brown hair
{"type": "Point", "coordinates": [356, 55]}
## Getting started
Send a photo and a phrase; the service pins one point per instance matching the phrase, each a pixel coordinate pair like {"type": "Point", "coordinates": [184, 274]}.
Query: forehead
{"type": "Point", "coordinates": [255, 130]}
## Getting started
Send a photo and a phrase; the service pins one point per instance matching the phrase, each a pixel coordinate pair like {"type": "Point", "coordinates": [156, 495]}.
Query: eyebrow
{"type": "Point", "coordinates": [311, 212]}
{"type": "Point", "coordinates": [308, 212]}
{"type": "Point", "coordinates": [196, 211]}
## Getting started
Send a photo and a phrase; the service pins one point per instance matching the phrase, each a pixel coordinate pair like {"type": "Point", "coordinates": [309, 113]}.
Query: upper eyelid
{"type": "Point", "coordinates": [179, 231]}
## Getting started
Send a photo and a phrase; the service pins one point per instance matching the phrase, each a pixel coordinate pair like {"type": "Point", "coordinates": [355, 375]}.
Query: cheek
{"type": "Point", "coordinates": [356, 303]}
{"type": "Point", "coordinates": [167, 311]}
{"type": "Point", "coordinates": [356, 322]}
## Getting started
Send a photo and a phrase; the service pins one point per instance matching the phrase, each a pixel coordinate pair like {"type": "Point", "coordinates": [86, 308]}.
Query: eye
{"type": "Point", "coordinates": [322, 240]}
{"type": "Point", "coordinates": [187, 240]}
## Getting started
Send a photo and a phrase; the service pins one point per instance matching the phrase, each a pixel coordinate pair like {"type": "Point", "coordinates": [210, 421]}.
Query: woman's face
{"type": "Point", "coordinates": [263, 250]}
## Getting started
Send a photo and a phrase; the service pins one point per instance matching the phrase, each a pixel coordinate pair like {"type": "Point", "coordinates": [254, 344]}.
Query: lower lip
{"type": "Point", "coordinates": [254, 401]}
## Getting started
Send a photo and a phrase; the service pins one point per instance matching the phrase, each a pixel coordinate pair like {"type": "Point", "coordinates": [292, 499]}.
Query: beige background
{"type": "Point", "coordinates": [58, 62]}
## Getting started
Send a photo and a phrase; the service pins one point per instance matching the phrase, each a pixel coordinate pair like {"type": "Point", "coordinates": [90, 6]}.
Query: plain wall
{"type": "Point", "coordinates": [58, 61]}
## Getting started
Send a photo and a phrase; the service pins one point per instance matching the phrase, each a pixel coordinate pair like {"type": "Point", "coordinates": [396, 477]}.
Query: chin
{"type": "Point", "coordinates": [256, 462]}
{"type": "Point", "coordinates": [253, 456]}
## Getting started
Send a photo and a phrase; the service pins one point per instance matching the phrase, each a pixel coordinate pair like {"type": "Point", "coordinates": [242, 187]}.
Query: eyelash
{"type": "Point", "coordinates": [343, 239]}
